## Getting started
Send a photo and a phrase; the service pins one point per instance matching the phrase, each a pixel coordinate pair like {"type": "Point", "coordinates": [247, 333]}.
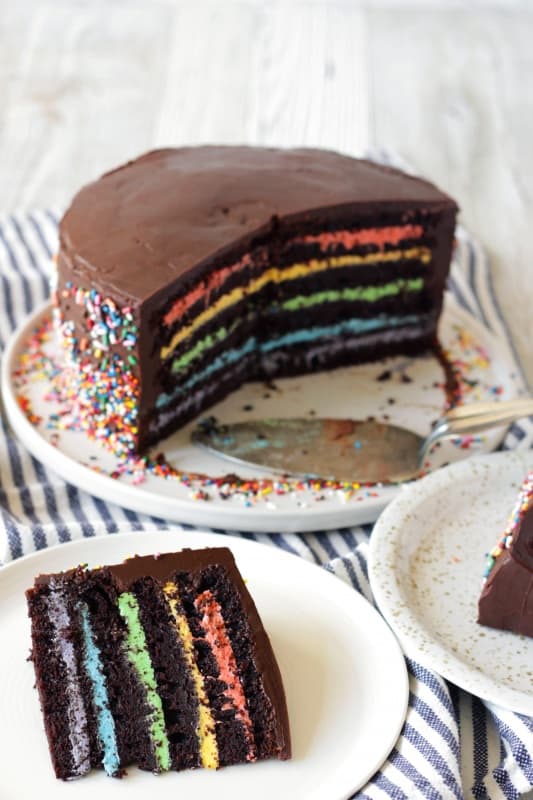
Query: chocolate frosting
{"type": "Point", "coordinates": [154, 219]}
{"type": "Point", "coordinates": [507, 598]}
{"type": "Point", "coordinates": [163, 566]}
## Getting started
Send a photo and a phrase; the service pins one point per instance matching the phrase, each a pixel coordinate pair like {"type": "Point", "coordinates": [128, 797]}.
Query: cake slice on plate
{"type": "Point", "coordinates": [506, 600]}
{"type": "Point", "coordinates": [161, 661]}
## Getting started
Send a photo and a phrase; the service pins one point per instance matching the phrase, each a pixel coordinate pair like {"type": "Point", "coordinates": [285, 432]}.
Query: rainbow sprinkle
{"type": "Point", "coordinates": [522, 505]}
{"type": "Point", "coordinates": [104, 400]}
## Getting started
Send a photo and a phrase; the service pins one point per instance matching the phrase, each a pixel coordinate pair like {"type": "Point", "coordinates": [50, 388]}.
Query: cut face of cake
{"type": "Point", "coordinates": [506, 600]}
{"type": "Point", "coordinates": [187, 272]}
{"type": "Point", "coordinates": [161, 661]}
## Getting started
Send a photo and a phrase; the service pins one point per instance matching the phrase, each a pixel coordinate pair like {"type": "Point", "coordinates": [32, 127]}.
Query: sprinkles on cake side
{"type": "Point", "coordinates": [506, 599]}
{"type": "Point", "coordinates": [187, 272]}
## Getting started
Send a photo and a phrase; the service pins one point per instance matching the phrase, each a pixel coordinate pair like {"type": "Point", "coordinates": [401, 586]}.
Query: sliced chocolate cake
{"type": "Point", "coordinates": [161, 661]}
{"type": "Point", "coordinates": [187, 272]}
{"type": "Point", "coordinates": [506, 600]}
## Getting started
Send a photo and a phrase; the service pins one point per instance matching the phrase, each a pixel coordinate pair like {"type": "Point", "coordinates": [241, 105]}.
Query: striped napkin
{"type": "Point", "coordinates": [452, 745]}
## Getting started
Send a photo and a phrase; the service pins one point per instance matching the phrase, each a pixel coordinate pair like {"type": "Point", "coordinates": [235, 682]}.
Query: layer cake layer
{"type": "Point", "coordinates": [161, 661]}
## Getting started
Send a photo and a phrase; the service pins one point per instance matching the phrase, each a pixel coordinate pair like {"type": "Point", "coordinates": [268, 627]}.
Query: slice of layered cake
{"type": "Point", "coordinates": [506, 600]}
{"type": "Point", "coordinates": [187, 272]}
{"type": "Point", "coordinates": [161, 661]}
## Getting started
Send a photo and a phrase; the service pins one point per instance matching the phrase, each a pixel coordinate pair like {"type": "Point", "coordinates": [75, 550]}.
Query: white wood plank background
{"type": "Point", "coordinates": [84, 85]}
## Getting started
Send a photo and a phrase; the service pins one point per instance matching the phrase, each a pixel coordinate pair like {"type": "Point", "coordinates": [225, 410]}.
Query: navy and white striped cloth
{"type": "Point", "coordinates": [452, 745]}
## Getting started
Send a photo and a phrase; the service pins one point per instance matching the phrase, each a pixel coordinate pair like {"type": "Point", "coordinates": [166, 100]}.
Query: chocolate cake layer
{"type": "Point", "coordinates": [162, 260]}
{"type": "Point", "coordinates": [57, 671]}
{"type": "Point", "coordinates": [174, 682]}
{"type": "Point", "coordinates": [123, 708]}
{"type": "Point", "coordinates": [161, 662]}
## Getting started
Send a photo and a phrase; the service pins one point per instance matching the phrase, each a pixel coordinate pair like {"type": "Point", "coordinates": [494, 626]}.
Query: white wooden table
{"type": "Point", "coordinates": [85, 85]}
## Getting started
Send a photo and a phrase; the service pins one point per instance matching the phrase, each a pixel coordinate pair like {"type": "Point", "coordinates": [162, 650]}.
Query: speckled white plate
{"type": "Point", "coordinates": [427, 555]}
{"type": "Point", "coordinates": [343, 671]}
{"type": "Point", "coordinates": [412, 396]}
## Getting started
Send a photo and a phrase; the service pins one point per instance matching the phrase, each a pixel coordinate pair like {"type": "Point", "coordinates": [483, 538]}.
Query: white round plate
{"type": "Point", "coordinates": [343, 671]}
{"type": "Point", "coordinates": [427, 555]}
{"type": "Point", "coordinates": [412, 396]}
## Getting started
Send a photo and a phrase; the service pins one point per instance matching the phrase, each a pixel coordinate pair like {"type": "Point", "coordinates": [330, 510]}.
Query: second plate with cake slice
{"type": "Point", "coordinates": [427, 561]}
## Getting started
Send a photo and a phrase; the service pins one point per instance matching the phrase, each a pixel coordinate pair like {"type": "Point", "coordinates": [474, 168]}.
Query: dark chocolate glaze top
{"type": "Point", "coordinates": [163, 566]}
{"type": "Point", "coordinates": [154, 219]}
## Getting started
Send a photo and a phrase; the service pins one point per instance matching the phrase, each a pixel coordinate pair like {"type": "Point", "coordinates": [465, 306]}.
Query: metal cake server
{"type": "Point", "coordinates": [346, 449]}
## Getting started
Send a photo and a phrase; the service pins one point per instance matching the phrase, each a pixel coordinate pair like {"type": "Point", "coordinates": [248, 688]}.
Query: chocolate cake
{"type": "Point", "coordinates": [188, 271]}
{"type": "Point", "coordinates": [506, 600]}
{"type": "Point", "coordinates": [161, 661]}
